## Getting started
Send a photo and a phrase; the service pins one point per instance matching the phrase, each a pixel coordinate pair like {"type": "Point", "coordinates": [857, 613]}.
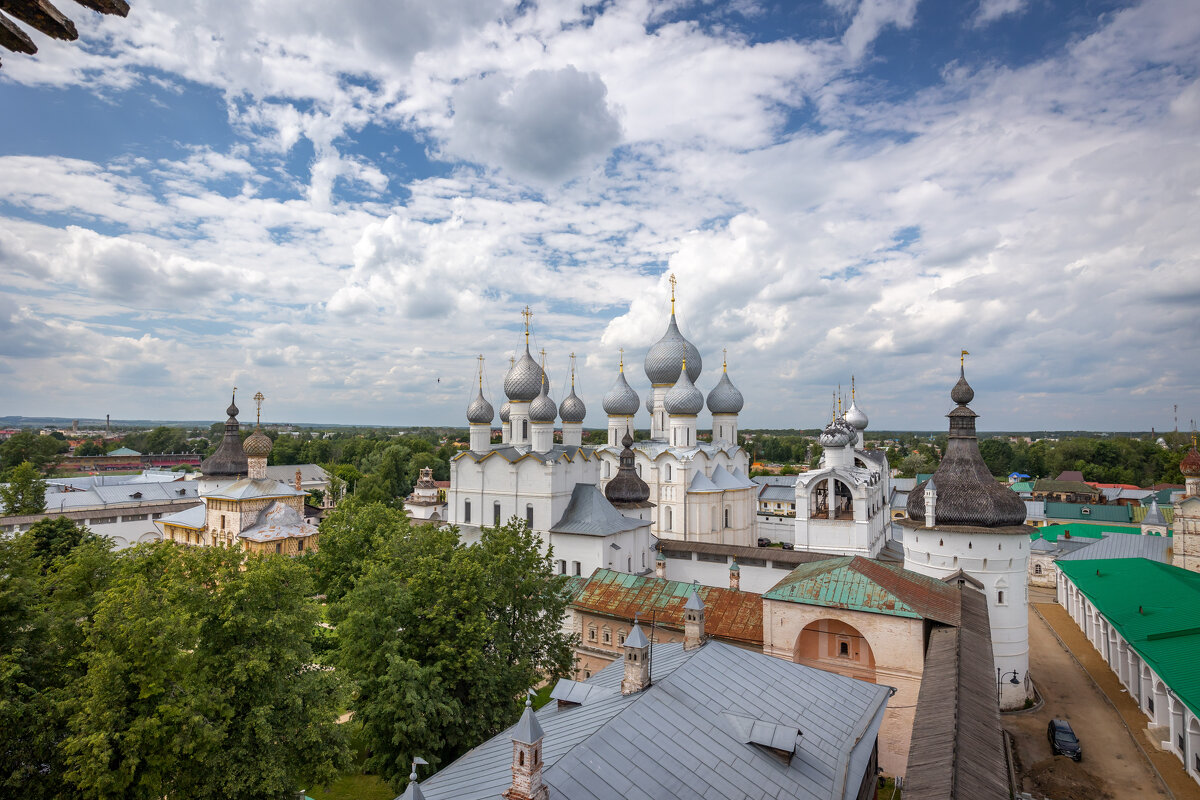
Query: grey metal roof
{"type": "Point", "coordinates": [701, 483]}
{"type": "Point", "coordinates": [251, 488]}
{"type": "Point", "coordinates": [779, 493]}
{"type": "Point", "coordinates": [775, 480]}
{"type": "Point", "coordinates": [1122, 545]}
{"type": "Point", "coordinates": [724, 479]}
{"type": "Point", "coordinates": [1154, 516]}
{"type": "Point", "coordinates": [636, 638]}
{"type": "Point", "coordinates": [524, 379]}
{"type": "Point", "coordinates": [578, 692]}
{"type": "Point", "coordinates": [621, 400]}
{"type": "Point", "coordinates": [665, 357]}
{"type": "Point", "coordinates": [683, 397]}
{"type": "Point", "coordinates": [676, 739]}
{"type": "Point", "coordinates": [572, 409]}
{"type": "Point", "coordinates": [480, 411]}
{"type": "Point", "coordinates": [278, 521]}
{"type": "Point", "coordinates": [195, 517]}
{"type": "Point", "coordinates": [653, 448]}
{"type": "Point", "coordinates": [589, 513]}
{"type": "Point", "coordinates": [125, 494]}
{"type": "Point", "coordinates": [510, 452]}
{"type": "Point", "coordinates": [527, 730]}
{"type": "Point", "coordinates": [309, 473]}
{"type": "Point", "coordinates": [694, 603]}
{"type": "Point", "coordinates": [725, 397]}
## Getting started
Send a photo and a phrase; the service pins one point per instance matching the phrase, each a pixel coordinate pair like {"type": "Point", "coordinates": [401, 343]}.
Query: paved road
{"type": "Point", "coordinates": [1109, 754]}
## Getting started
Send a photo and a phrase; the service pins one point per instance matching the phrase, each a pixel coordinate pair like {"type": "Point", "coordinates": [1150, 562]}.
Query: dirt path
{"type": "Point", "coordinates": [1112, 765]}
{"type": "Point", "coordinates": [1169, 766]}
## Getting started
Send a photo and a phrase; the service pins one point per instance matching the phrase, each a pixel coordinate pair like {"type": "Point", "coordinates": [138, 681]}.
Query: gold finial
{"type": "Point", "coordinates": [683, 369]}
{"type": "Point", "coordinates": [528, 315]}
{"type": "Point", "coordinates": [258, 398]}
{"type": "Point", "coordinates": [672, 280]}
{"type": "Point", "coordinates": [480, 357]}
{"type": "Point", "coordinates": [543, 354]}
{"type": "Point", "coordinates": [621, 368]}
{"type": "Point", "coordinates": [839, 399]}
{"type": "Point", "coordinates": [724, 359]}
{"type": "Point", "coordinates": [962, 358]}
{"type": "Point", "coordinates": [572, 372]}
{"type": "Point", "coordinates": [852, 398]}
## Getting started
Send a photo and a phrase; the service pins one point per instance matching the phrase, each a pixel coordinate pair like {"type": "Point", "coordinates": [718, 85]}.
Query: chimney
{"type": "Point", "coordinates": [735, 576]}
{"type": "Point", "coordinates": [298, 481]}
{"type": "Point", "coordinates": [637, 661]}
{"type": "Point", "coordinates": [660, 565]}
{"type": "Point", "coordinates": [693, 621]}
{"type": "Point", "coordinates": [527, 759]}
{"type": "Point", "coordinates": [930, 503]}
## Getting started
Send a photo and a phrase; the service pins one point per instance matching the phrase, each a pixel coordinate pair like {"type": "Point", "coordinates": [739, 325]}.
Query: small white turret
{"type": "Point", "coordinates": [693, 621]}
{"type": "Point", "coordinates": [930, 504]}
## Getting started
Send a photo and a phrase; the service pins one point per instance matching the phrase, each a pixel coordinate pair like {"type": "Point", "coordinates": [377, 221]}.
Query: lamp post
{"type": "Point", "coordinates": [1013, 680]}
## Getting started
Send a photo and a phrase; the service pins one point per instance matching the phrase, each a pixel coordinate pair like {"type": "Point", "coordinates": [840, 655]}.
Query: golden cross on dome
{"type": "Point", "coordinates": [621, 350]}
{"type": "Point", "coordinates": [258, 398]}
{"type": "Point", "coordinates": [480, 357]}
{"type": "Point", "coordinates": [572, 370]}
{"type": "Point", "coordinates": [543, 353]}
{"type": "Point", "coordinates": [672, 280]}
{"type": "Point", "coordinates": [724, 359]}
{"type": "Point", "coordinates": [852, 389]}
{"type": "Point", "coordinates": [528, 315]}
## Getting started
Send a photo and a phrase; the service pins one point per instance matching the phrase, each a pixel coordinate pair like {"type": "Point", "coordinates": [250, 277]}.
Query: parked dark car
{"type": "Point", "coordinates": [787, 545]}
{"type": "Point", "coordinates": [764, 541]}
{"type": "Point", "coordinates": [1063, 740]}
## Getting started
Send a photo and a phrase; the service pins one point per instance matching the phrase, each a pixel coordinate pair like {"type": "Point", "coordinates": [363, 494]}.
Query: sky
{"type": "Point", "coordinates": [342, 204]}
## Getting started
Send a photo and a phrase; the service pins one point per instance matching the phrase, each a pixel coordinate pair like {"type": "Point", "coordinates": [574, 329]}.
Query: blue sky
{"type": "Point", "coordinates": [340, 205]}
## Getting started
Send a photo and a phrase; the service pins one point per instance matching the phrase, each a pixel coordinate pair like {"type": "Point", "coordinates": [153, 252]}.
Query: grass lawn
{"type": "Point", "coordinates": [543, 696]}
{"type": "Point", "coordinates": [355, 787]}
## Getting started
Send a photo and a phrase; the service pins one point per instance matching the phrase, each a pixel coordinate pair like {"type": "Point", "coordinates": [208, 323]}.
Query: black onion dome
{"type": "Point", "coordinates": [542, 409]}
{"type": "Point", "coordinates": [725, 397]}
{"type": "Point", "coordinates": [962, 393]}
{"type": "Point", "coordinates": [683, 398]}
{"type": "Point", "coordinates": [665, 356]}
{"type": "Point", "coordinates": [621, 400]}
{"type": "Point", "coordinates": [627, 487]}
{"type": "Point", "coordinates": [480, 411]}
{"type": "Point", "coordinates": [524, 379]}
{"type": "Point", "coordinates": [229, 459]}
{"type": "Point", "coordinates": [967, 494]}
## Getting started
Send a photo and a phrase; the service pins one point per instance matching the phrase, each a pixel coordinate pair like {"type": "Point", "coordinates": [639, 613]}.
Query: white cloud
{"type": "Point", "coordinates": [871, 18]}
{"type": "Point", "coordinates": [992, 10]}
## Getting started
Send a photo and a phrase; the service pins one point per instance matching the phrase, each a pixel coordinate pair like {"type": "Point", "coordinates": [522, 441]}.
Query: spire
{"type": "Point", "coordinates": [413, 791]}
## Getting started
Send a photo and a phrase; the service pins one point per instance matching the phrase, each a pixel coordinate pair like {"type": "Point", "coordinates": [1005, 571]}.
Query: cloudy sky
{"type": "Point", "coordinates": [341, 204]}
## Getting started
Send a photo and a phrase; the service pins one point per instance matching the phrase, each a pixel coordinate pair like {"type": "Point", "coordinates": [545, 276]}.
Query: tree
{"type": "Point", "coordinates": [52, 537]}
{"type": "Point", "coordinates": [441, 641]}
{"type": "Point", "coordinates": [25, 492]}
{"type": "Point", "coordinates": [998, 455]}
{"type": "Point", "coordinates": [912, 465]}
{"type": "Point", "coordinates": [351, 536]}
{"type": "Point", "coordinates": [41, 451]}
{"type": "Point", "coordinates": [200, 682]}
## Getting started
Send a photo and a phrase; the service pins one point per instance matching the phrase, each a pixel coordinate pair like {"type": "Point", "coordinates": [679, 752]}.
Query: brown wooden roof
{"type": "Point", "coordinates": [41, 15]}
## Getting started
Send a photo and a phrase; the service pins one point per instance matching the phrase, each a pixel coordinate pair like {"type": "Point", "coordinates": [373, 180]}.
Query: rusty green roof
{"type": "Point", "coordinates": [860, 584]}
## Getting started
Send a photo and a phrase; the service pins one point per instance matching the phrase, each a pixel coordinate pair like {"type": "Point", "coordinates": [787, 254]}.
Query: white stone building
{"type": "Point", "coordinates": [963, 519]}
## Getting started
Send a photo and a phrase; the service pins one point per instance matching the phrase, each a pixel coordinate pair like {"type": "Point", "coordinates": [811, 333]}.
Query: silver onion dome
{"type": "Point", "coordinates": [480, 411]}
{"type": "Point", "coordinates": [837, 433]}
{"type": "Point", "coordinates": [725, 397]}
{"type": "Point", "coordinates": [524, 379]}
{"type": "Point", "coordinates": [505, 411]}
{"type": "Point", "coordinates": [856, 417]}
{"type": "Point", "coordinates": [665, 356]}
{"type": "Point", "coordinates": [621, 400]}
{"type": "Point", "coordinates": [542, 409]}
{"type": "Point", "coordinates": [572, 408]}
{"type": "Point", "coordinates": [683, 398]}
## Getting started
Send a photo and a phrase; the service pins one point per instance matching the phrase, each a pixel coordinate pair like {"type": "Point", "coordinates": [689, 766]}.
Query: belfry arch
{"type": "Point", "coordinates": [836, 646]}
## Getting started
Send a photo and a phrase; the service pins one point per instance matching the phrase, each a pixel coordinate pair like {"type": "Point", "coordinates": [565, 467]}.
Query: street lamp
{"type": "Point", "coordinates": [1013, 680]}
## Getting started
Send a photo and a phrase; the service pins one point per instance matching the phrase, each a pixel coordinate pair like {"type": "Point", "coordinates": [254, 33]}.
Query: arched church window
{"type": "Point", "coordinates": [524, 429]}
{"type": "Point", "coordinates": [667, 519]}
{"type": "Point", "coordinates": [1037, 569]}
{"type": "Point", "coordinates": [521, 758]}
{"type": "Point", "coordinates": [606, 465]}
{"type": "Point", "coordinates": [667, 472]}
{"type": "Point", "coordinates": [529, 514]}
{"type": "Point", "coordinates": [496, 513]}
{"type": "Point", "coordinates": [727, 516]}
{"type": "Point", "coordinates": [466, 510]}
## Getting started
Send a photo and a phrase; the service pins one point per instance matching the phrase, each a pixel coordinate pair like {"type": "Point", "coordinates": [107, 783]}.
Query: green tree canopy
{"type": "Point", "coordinates": [41, 451]}
{"type": "Point", "coordinates": [442, 640]}
{"type": "Point", "coordinates": [25, 491]}
{"type": "Point", "coordinates": [200, 682]}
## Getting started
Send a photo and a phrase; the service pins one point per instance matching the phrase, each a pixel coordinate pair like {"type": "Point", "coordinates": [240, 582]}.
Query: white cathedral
{"type": "Point", "coordinates": [696, 491]}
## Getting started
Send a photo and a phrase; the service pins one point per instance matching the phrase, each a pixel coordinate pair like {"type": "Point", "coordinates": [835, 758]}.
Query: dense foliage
{"type": "Point", "coordinates": [159, 672]}
{"type": "Point", "coordinates": [25, 491]}
{"type": "Point", "coordinates": [440, 639]}
{"type": "Point", "coordinates": [41, 451]}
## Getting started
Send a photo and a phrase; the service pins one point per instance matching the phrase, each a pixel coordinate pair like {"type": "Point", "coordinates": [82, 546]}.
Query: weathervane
{"type": "Point", "coordinates": [258, 398]}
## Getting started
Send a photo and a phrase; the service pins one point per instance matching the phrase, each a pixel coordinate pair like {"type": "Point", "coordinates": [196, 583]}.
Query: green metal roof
{"type": "Point", "coordinates": [124, 451]}
{"type": "Point", "coordinates": [1139, 512]}
{"type": "Point", "coordinates": [859, 584]}
{"type": "Point", "coordinates": [1022, 486]}
{"type": "Point", "coordinates": [1155, 607]}
{"type": "Point", "coordinates": [1085, 511]}
{"type": "Point", "coordinates": [1081, 530]}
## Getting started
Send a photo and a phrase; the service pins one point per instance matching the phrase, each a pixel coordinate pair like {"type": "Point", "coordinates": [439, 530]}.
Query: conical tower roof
{"type": "Point", "coordinates": [229, 460]}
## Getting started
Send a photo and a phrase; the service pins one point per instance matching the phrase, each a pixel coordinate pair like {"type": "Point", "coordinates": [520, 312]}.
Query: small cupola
{"type": "Point", "coordinates": [693, 621]}
{"type": "Point", "coordinates": [637, 661]}
{"type": "Point", "coordinates": [527, 758]}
